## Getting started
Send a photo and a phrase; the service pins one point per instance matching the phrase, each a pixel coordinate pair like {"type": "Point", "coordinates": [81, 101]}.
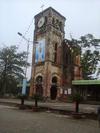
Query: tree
{"type": "Point", "coordinates": [89, 62]}
{"type": "Point", "coordinates": [12, 65]}
{"type": "Point", "coordinates": [90, 55]}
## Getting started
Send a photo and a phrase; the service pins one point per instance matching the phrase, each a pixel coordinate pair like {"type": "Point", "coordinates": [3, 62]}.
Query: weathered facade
{"type": "Point", "coordinates": [54, 61]}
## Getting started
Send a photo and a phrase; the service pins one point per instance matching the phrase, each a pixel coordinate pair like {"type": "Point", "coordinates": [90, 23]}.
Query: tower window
{"type": "Point", "coordinates": [53, 21]}
{"type": "Point", "coordinates": [55, 53]}
{"type": "Point", "coordinates": [57, 21]}
{"type": "Point", "coordinates": [45, 19]}
{"type": "Point", "coordinates": [57, 24]}
{"type": "Point", "coordinates": [60, 25]}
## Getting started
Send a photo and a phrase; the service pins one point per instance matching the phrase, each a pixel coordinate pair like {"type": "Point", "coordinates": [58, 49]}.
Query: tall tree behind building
{"type": "Point", "coordinates": [90, 56]}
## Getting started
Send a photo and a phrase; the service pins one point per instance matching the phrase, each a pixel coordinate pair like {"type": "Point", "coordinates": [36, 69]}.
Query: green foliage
{"type": "Point", "coordinates": [37, 97]}
{"type": "Point", "coordinates": [89, 40]}
{"type": "Point", "coordinates": [89, 62]}
{"type": "Point", "coordinates": [76, 47]}
{"type": "Point", "coordinates": [20, 96]}
{"type": "Point", "coordinates": [90, 55]}
{"type": "Point", "coordinates": [77, 97]}
{"type": "Point", "coordinates": [11, 68]}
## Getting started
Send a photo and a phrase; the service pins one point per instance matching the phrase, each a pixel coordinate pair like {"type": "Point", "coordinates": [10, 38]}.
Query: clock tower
{"type": "Point", "coordinates": [46, 59]}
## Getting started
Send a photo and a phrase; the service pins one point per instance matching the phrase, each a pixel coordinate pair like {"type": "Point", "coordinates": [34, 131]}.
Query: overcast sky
{"type": "Point", "coordinates": [82, 17]}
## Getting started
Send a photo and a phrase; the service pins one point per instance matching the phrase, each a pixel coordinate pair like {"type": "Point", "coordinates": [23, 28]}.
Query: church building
{"type": "Point", "coordinates": [55, 60]}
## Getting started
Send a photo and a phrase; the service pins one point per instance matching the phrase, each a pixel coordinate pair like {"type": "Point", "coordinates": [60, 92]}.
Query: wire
{"type": "Point", "coordinates": [27, 30]}
{"type": "Point", "coordinates": [29, 27]}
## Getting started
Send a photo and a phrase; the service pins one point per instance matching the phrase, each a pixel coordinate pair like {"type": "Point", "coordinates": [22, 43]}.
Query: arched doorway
{"type": "Point", "coordinates": [39, 88]}
{"type": "Point", "coordinates": [53, 89]}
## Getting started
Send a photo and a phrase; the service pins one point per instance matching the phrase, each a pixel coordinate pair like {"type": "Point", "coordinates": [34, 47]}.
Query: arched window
{"type": "Point", "coordinates": [39, 79]}
{"type": "Point", "coordinates": [54, 80]}
{"type": "Point", "coordinates": [53, 90]}
{"type": "Point", "coordinates": [38, 85]}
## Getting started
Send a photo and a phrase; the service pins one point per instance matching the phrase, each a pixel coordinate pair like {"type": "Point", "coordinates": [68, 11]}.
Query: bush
{"type": "Point", "coordinates": [20, 96]}
{"type": "Point", "coordinates": [37, 97]}
{"type": "Point", "coordinates": [77, 97]}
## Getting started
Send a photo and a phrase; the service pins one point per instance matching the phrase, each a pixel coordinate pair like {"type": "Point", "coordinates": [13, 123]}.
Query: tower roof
{"type": "Point", "coordinates": [50, 8]}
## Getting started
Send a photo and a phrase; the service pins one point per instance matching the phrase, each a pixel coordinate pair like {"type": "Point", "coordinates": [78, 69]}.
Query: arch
{"type": "Point", "coordinates": [53, 89]}
{"type": "Point", "coordinates": [39, 79]}
{"type": "Point", "coordinates": [38, 74]}
{"type": "Point", "coordinates": [38, 85]}
{"type": "Point", "coordinates": [54, 79]}
{"type": "Point", "coordinates": [58, 76]}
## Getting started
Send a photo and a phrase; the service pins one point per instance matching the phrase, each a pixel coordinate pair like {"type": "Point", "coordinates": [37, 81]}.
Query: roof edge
{"type": "Point", "coordinates": [48, 9]}
{"type": "Point", "coordinates": [85, 82]}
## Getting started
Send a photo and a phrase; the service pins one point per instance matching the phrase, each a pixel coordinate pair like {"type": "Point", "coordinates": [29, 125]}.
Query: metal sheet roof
{"type": "Point", "coordinates": [86, 82]}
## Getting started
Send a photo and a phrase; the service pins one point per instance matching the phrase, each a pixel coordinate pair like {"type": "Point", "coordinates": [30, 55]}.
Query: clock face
{"type": "Point", "coordinates": [41, 22]}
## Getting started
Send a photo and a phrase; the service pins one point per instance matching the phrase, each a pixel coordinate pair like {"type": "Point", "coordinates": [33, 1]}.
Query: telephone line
{"type": "Point", "coordinates": [27, 30]}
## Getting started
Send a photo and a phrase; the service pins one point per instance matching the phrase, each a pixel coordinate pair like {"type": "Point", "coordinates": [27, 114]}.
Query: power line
{"type": "Point", "coordinates": [27, 30]}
